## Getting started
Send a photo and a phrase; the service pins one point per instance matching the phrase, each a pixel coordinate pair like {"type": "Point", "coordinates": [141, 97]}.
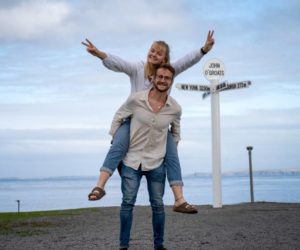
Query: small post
{"type": "Point", "coordinates": [18, 201]}
{"type": "Point", "coordinates": [249, 148]}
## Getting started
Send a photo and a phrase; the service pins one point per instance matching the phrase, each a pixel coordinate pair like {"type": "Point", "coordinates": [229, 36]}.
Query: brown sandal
{"type": "Point", "coordinates": [185, 208]}
{"type": "Point", "coordinates": [98, 192]}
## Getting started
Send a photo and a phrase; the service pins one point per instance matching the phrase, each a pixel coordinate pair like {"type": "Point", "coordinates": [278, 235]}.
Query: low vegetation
{"type": "Point", "coordinates": [32, 223]}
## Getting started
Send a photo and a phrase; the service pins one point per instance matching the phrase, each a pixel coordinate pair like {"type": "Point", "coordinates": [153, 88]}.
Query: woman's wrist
{"type": "Point", "coordinates": [101, 54]}
{"type": "Point", "coordinates": [203, 51]}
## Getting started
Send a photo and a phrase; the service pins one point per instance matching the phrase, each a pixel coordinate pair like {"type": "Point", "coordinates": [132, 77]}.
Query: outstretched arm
{"type": "Point", "coordinates": [110, 61]}
{"type": "Point", "coordinates": [209, 42]}
{"type": "Point", "coordinates": [194, 56]}
{"type": "Point", "coordinates": [91, 48]}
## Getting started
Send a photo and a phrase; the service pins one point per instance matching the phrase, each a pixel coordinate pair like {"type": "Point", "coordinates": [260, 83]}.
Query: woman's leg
{"type": "Point", "coordinates": [174, 171]}
{"type": "Point", "coordinates": [115, 155]}
{"type": "Point", "coordinates": [118, 148]}
{"type": "Point", "coordinates": [172, 162]}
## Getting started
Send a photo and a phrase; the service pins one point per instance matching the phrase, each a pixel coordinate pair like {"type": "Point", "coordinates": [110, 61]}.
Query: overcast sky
{"type": "Point", "coordinates": [57, 101]}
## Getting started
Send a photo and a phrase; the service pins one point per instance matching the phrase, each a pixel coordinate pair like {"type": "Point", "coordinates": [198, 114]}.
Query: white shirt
{"type": "Point", "coordinates": [148, 130]}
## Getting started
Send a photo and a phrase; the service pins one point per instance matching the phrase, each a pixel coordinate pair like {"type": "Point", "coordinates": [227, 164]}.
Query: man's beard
{"type": "Point", "coordinates": [161, 91]}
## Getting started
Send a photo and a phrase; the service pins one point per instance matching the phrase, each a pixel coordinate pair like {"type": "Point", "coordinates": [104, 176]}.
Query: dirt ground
{"type": "Point", "coordinates": [242, 226]}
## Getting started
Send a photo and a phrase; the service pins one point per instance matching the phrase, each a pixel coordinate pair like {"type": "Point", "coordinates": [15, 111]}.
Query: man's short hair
{"type": "Point", "coordinates": [168, 67]}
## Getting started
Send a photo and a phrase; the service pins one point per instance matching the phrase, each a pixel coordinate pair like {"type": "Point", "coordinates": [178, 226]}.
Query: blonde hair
{"type": "Point", "coordinates": [150, 69]}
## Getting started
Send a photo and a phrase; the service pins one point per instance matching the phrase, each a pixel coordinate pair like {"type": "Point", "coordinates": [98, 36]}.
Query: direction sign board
{"type": "Point", "coordinates": [228, 86]}
{"type": "Point", "coordinates": [206, 94]}
{"type": "Point", "coordinates": [194, 87]}
{"type": "Point", "coordinates": [237, 85]}
{"type": "Point", "coordinates": [214, 70]}
{"type": "Point", "coordinates": [221, 86]}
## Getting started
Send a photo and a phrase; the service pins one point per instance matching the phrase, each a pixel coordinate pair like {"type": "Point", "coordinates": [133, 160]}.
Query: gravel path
{"type": "Point", "coordinates": [242, 226]}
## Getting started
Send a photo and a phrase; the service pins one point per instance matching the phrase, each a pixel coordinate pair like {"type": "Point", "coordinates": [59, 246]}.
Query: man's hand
{"type": "Point", "coordinates": [209, 41]}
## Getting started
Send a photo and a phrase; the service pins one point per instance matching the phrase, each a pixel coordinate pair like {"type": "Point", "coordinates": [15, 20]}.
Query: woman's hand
{"type": "Point", "coordinates": [91, 48]}
{"type": "Point", "coordinates": [209, 41]}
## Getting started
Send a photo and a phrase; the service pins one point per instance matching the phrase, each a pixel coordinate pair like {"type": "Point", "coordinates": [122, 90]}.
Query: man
{"type": "Point", "coordinates": [151, 113]}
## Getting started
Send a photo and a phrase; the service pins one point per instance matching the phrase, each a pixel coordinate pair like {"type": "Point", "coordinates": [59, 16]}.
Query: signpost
{"type": "Point", "coordinates": [214, 71]}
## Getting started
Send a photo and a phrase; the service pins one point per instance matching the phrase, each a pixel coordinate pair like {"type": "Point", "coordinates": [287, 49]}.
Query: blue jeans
{"type": "Point", "coordinates": [131, 179]}
{"type": "Point", "coordinates": [120, 146]}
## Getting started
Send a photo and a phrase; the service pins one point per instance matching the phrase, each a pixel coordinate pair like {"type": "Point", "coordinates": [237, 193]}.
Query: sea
{"type": "Point", "coordinates": [58, 193]}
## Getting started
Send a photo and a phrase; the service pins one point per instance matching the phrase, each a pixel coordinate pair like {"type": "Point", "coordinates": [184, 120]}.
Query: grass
{"type": "Point", "coordinates": [33, 223]}
{"type": "Point", "coordinates": [30, 215]}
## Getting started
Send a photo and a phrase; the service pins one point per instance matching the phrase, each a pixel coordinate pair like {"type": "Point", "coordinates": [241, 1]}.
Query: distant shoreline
{"type": "Point", "coordinates": [293, 172]}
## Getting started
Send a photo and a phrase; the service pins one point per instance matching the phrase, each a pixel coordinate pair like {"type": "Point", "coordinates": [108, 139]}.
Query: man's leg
{"type": "Point", "coordinates": [156, 187]}
{"type": "Point", "coordinates": [115, 155]}
{"type": "Point", "coordinates": [130, 185]}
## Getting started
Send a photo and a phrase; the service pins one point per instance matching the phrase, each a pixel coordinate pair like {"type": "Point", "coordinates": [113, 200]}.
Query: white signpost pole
{"type": "Point", "coordinates": [214, 71]}
{"type": "Point", "coordinates": [216, 148]}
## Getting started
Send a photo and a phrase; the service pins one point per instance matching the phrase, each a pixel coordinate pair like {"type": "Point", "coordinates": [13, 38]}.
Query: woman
{"type": "Point", "coordinates": [140, 75]}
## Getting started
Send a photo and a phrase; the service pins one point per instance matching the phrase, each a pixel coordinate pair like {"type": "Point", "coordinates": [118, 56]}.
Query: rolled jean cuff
{"type": "Point", "coordinates": [176, 183]}
{"type": "Point", "coordinates": [105, 169]}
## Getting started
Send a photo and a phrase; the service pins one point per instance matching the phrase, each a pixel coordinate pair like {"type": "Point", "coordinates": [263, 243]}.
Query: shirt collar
{"type": "Point", "coordinates": [146, 94]}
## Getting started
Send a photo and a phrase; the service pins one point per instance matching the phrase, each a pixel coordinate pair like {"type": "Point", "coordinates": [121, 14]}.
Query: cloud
{"type": "Point", "coordinates": [47, 152]}
{"type": "Point", "coordinates": [36, 142]}
{"type": "Point", "coordinates": [45, 19]}
{"type": "Point", "coordinates": [32, 19]}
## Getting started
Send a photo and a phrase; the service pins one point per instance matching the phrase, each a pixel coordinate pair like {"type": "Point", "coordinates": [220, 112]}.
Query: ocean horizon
{"type": "Point", "coordinates": [69, 192]}
{"type": "Point", "coordinates": [242, 173]}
